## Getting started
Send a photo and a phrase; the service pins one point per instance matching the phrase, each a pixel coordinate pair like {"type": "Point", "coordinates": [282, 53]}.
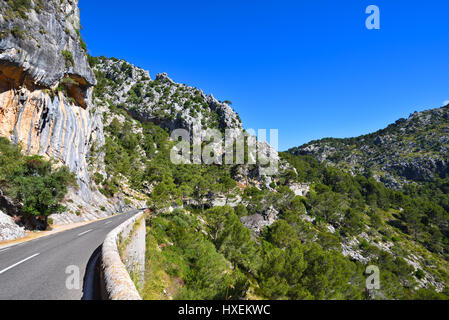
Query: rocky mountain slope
{"type": "Point", "coordinates": [304, 200]}
{"type": "Point", "coordinates": [127, 93]}
{"type": "Point", "coordinates": [162, 101]}
{"type": "Point", "coordinates": [411, 150]}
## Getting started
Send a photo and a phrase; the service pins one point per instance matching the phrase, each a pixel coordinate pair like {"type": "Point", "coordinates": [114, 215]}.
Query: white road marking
{"type": "Point", "coordinates": [83, 233]}
{"type": "Point", "coordinates": [108, 222]}
{"type": "Point", "coordinates": [16, 264]}
{"type": "Point", "coordinates": [4, 249]}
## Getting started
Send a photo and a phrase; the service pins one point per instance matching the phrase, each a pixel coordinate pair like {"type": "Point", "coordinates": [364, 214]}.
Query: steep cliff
{"type": "Point", "coordinates": [41, 41]}
{"type": "Point", "coordinates": [46, 88]}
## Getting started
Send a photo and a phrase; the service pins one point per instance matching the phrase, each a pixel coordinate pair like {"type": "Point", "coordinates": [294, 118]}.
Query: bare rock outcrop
{"type": "Point", "coordinates": [9, 230]}
{"type": "Point", "coordinates": [162, 101]}
{"type": "Point", "coordinates": [257, 222]}
{"type": "Point", "coordinates": [43, 41]}
{"type": "Point", "coordinates": [46, 86]}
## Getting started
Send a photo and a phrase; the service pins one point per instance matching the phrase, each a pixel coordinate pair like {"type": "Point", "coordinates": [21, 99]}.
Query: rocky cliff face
{"type": "Point", "coordinates": [46, 88]}
{"type": "Point", "coordinates": [41, 42]}
{"type": "Point", "coordinates": [45, 82]}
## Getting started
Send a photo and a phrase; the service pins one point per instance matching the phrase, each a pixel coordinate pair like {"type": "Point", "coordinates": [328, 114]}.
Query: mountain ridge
{"type": "Point", "coordinates": [409, 150]}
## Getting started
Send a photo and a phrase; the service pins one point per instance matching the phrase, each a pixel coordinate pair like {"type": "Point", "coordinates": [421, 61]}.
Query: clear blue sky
{"type": "Point", "coordinates": [308, 68]}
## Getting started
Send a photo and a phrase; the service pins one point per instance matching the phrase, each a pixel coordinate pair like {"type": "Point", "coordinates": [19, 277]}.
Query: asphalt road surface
{"type": "Point", "coordinates": [54, 267]}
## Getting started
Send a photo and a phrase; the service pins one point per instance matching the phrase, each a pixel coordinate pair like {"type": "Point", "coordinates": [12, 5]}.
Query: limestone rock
{"type": "Point", "coordinates": [46, 96]}
{"type": "Point", "coordinates": [35, 44]}
{"type": "Point", "coordinates": [300, 189]}
{"type": "Point", "coordinates": [9, 230]}
{"type": "Point", "coordinates": [257, 222]}
{"type": "Point", "coordinates": [162, 101]}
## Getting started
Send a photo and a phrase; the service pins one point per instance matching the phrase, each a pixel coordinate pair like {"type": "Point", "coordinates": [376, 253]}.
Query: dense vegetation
{"type": "Point", "coordinates": [319, 245]}
{"type": "Point", "coordinates": [422, 211]}
{"type": "Point", "coordinates": [293, 258]}
{"type": "Point", "coordinates": [33, 184]}
{"type": "Point", "coordinates": [218, 259]}
{"type": "Point", "coordinates": [198, 269]}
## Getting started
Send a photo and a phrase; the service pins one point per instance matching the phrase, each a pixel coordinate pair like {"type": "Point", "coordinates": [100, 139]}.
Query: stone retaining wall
{"type": "Point", "coordinates": [123, 255]}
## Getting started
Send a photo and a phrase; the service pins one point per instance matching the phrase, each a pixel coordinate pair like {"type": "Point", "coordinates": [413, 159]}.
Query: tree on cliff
{"type": "Point", "coordinates": [33, 183]}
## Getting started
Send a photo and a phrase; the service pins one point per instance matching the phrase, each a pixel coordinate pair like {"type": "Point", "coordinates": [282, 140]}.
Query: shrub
{"type": "Point", "coordinates": [98, 178]}
{"type": "Point", "coordinates": [364, 244]}
{"type": "Point", "coordinates": [18, 33]}
{"type": "Point", "coordinates": [18, 8]}
{"type": "Point", "coordinates": [69, 61]}
{"type": "Point", "coordinates": [92, 60]}
{"type": "Point", "coordinates": [32, 181]}
{"type": "Point", "coordinates": [420, 274]}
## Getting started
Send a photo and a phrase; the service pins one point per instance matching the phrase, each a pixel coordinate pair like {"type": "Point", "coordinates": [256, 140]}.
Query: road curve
{"type": "Point", "coordinates": [46, 268]}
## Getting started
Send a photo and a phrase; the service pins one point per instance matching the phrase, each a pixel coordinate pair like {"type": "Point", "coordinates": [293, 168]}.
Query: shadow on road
{"type": "Point", "coordinates": [92, 277]}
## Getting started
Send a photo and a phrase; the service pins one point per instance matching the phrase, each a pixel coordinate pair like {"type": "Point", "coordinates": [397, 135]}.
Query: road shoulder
{"type": "Point", "coordinates": [33, 235]}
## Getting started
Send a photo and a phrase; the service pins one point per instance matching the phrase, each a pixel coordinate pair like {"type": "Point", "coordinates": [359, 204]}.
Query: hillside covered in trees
{"type": "Point", "coordinates": [225, 232]}
{"type": "Point", "coordinates": [410, 150]}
